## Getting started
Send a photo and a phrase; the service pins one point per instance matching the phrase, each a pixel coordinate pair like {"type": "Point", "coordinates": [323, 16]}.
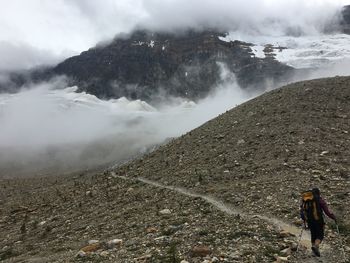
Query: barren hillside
{"type": "Point", "coordinates": [238, 178]}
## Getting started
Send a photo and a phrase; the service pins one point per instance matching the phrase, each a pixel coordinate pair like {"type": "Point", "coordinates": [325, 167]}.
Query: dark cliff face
{"type": "Point", "coordinates": [145, 64]}
{"type": "Point", "coordinates": [345, 19]}
{"type": "Point", "coordinates": [187, 65]}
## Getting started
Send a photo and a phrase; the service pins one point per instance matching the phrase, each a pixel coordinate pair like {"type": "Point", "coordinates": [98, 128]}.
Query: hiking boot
{"type": "Point", "coordinates": [316, 251]}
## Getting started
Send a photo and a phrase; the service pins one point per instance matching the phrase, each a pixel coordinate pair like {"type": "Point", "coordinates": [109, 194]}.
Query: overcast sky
{"type": "Point", "coordinates": [34, 32]}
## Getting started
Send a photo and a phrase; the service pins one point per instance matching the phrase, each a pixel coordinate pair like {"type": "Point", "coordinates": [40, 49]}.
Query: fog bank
{"type": "Point", "coordinates": [47, 130]}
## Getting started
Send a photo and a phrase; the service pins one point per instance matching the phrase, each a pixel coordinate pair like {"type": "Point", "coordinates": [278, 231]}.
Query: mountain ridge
{"type": "Point", "coordinates": [182, 65]}
{"type": "Point", "coordinates": [143, 64]}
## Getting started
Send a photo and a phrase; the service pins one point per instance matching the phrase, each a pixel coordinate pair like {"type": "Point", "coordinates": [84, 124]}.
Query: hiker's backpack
{"type": "Point", "coordinates": [311, 207]}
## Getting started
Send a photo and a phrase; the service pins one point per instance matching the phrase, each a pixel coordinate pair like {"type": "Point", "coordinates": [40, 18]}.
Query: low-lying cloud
{"type": "Point", "coordinates": [19, 56]}
{"type": "Point", "coordinates": [46, 130]}
{"type": "Point", "coordinates": [254, 16]}
{"type": "Point", "coordinates": [51, 129]}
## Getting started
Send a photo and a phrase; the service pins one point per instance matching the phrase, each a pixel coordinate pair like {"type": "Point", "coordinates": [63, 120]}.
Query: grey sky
{"type": "Point", "coordinates": [49, 30]}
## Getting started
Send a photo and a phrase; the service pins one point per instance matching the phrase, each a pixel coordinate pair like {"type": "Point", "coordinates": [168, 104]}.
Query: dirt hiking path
{"type": "Point", "coordinates": [281, 225]}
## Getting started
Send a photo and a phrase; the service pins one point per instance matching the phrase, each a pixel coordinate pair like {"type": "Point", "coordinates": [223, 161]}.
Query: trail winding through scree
{"type": "Point", "coordinates": [304, 241]}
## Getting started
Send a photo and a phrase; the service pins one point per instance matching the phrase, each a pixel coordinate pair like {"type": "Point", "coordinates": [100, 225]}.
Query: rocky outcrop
{"type": "Point", "coordinates": [144, 64]}
{"type": "Point", "coordinates": [187, 65]}
{"type": "Point", "coordinates": [345, 19]}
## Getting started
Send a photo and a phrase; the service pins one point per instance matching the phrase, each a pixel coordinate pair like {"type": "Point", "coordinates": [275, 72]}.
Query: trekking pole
{"type": "Point", "coordinates": [341, 242]}
{"type": "Point", "coordinates": [300, 236]}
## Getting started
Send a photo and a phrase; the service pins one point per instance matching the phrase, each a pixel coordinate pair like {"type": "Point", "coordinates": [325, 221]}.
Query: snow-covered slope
{"type": "Point", "coordinates": [306, 51]}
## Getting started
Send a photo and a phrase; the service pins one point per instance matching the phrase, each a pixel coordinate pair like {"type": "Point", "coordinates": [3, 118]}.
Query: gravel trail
{"type": "Point", "coordinates": [226, 208]}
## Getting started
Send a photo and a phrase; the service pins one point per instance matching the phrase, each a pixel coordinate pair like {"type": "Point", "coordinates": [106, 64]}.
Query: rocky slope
{"type": "Point", "coordinates": [256, 158]}
{"type": "Point", "coordinates": [263, 153]}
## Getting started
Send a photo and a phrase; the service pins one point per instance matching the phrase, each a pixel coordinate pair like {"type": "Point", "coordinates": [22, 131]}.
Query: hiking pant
{"type": "Point", "coordinates": [317, 230]}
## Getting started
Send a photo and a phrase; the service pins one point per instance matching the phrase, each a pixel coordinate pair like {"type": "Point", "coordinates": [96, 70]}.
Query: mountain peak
{"type": "Point", "coordinates": [138, 65]}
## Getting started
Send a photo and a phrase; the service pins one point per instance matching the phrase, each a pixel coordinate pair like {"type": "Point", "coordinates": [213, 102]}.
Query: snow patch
{"type": "Point", "coordinates": [151, 44]}
{"type": "Point", "coordinates": [258, 51]}
{"type": "Point", "coordinates": [226, 38]}
{"type": "Point", "coordinates": [138, 43]}
{"type": "Point", "coordinates": [312, 51]}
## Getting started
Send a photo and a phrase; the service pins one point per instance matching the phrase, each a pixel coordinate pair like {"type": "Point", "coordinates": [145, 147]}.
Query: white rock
{"type": "Point", "coordinates": [235, 256]}
{"type": "Point", "coordinates": [294, 246]}
{"type": "Point", "coordinates": [5, 248]}
{"type": "Point", "coordinates": [184, 261]}
{"type": "Point", "coordinates": [114, 242]}
{"type": "Point", "coordinates": [240, 141]}
{"type": "Point", "coordinates": [165, 212]}
{"type": "Point", "coordinates": [332, 235]}
{"type": "Point", "coordinates": [81, 254]}
{"type": "Point", "coordinates": [104, 254]}
{"type": "Point", "coordinates": [42, 223]}
{"type": "Point", "coordinates": [286, 252]}
{"type": "Point", "coordinates": [282, 259]}
{"type": "Point", "coordinates": [161, 238]}
{"type": "Point", "coordinates": [93, 241]}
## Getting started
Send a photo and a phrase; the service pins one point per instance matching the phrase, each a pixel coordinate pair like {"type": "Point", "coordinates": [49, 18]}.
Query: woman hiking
{"type": "Point", "coordinates": [311, 211]}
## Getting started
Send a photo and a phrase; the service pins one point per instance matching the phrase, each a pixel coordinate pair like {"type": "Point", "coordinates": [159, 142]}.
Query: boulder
{"type": "Point", "coordinates": [165, 212]}
{"type": "Point", "coordinates": [114, 243]}
{"type": "Point", "coordinates": [281, 259]}
{"type": "Point", "coordinates": [200, 251]}
{"type": "Point", "coordinates": [284, 234]}
{"type": "Point", "coordinates": [286, 252]}
{"type": "Point", "coordinates": [91, 248]}
{"type": "Point", "coordinates": [81, 254]}
{"type": "Point", "coordinates": [150, 230]}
